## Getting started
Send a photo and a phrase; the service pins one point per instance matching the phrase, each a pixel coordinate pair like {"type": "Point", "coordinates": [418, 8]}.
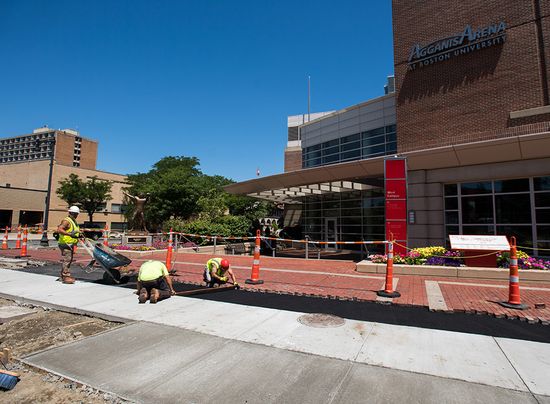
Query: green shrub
{"type": "Point", "coordinates": [237, 226]}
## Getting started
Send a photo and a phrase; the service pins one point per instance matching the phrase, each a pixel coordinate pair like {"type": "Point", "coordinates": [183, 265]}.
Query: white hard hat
{"type": "Point", "coordinates": [74, 209]}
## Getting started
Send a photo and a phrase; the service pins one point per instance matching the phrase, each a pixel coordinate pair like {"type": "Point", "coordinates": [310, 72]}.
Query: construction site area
{"type": "Point", "coordinates": [314, 330]}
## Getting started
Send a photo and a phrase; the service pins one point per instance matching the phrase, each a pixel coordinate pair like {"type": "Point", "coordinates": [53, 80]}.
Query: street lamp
{"type": "Point", "coordinates": [49, 142]}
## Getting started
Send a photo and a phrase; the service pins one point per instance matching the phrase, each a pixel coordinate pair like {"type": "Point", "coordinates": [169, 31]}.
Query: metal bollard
{"type": "Point", "coordinates": [307, 247]}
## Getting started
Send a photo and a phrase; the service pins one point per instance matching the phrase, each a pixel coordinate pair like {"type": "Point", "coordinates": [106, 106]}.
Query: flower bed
{"type": "Point", "coordinates": [156, 245]}
{"type": "Point", "coordinates": [439, 256]}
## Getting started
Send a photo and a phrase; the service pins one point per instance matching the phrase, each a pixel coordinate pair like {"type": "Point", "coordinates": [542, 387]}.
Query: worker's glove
{"type": "Point", "coordinates": [237, 286]}
{"type": "Point", "coordinates": [74, 234]}
{"type": "Point", "coordinates": [223, 279]}
{"type": "Point", "coordinates": [172, 292]}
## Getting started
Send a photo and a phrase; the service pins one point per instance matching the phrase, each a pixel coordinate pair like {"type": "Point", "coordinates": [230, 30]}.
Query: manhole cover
{"type": "Point", "coordinates": [320, 320]}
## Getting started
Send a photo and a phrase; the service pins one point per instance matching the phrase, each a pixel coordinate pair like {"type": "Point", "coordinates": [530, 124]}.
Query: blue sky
{"type": "Point", "coordinates": [210, 79]}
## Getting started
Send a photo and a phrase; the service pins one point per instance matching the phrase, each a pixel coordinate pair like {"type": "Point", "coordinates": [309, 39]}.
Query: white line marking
{"type": "Point", "coordinates": [436, 301]}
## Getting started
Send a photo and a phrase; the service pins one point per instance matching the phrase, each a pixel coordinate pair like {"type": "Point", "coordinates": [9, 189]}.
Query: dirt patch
{"type": "Point", "coordinates": [41, 330]}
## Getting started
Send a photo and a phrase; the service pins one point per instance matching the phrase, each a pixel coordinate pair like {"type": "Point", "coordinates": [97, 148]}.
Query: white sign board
{"type": "Point", "coordinates": [487, 243]}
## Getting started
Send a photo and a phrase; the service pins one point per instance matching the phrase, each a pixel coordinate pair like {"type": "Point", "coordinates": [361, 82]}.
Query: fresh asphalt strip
{"type": "Point", "coordinates": [413, 316]}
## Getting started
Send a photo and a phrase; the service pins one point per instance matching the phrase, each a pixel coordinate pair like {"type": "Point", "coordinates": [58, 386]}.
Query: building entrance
{"type": "Point", "coordinates": [331, 231]}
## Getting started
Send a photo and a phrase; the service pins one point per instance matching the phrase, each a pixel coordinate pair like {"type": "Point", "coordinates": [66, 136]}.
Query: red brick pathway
{"type": "Point", "coordinates": [338, 279]}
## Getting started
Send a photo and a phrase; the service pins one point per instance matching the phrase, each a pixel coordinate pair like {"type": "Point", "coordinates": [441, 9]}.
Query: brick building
{"type": "Point", "coordinates": [472, 116]}
{"type": "Point", "coordinates": [24, 171]}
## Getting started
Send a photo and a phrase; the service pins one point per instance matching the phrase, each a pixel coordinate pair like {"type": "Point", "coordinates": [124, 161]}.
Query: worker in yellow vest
{"type": "Point", "coordinates": [154, 282]}
{"type": "Point", "coordinates": [69, 233]}
{"type": "Point", "coordinates": [216, 271]}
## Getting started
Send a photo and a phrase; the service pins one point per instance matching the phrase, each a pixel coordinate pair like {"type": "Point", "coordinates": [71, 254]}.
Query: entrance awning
{"type": "Point", "coordinates": [364, 174]}
{"type": "Point", "coordinates": [291, 187]}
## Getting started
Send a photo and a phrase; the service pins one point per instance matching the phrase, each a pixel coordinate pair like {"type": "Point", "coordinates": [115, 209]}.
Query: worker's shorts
{"type": "Point", "coordinates": [160, 284]}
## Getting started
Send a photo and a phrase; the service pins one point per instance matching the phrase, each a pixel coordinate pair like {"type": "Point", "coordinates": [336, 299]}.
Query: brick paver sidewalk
{"type": "Point", "coordinates": [339, 280]}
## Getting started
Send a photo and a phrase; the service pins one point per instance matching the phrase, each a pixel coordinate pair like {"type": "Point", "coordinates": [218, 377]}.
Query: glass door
{"type": "Point", "coordinates": [331, 232]}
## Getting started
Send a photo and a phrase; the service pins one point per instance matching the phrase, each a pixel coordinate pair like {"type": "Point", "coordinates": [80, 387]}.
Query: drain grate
{"type": "Point", "coordinates": [320, 320]}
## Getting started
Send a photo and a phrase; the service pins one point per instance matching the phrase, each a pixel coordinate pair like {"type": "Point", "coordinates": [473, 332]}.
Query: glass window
{"type": "Point", "coordinates": [477, 209]}
{"type": "Point", "coordinates": [542, 200]}
{"type": "Point", "coordinates": [477, 230]}
{"type": "Point", "coordinates": [373, 140]}
{"type": "Point", "coordinates": [116, 208]}
{"type": "Point", "coordinates": [315, 147]}
{"type": "Point", "coordinates": [331, 143]}
{"type": "Point", "coordinates": [391, 137]}
{"type": "Point", "coordinates": [352, 212]}
{"type": "Point", "coordinates": [451, 217]}
{"type": "Point", "coordinates": [352, 220]}
{"type": "Point", "coordinates": [331, 159]}
{"type": "Point", "coordinates": [351, 203]}
{"type": "Point", "coordinates": [471, 188]}
{"type": "Point", "coordinates": [354, 154]}
{"type": "Point", "coordinates": [543, 232]}
{"type": "Point", "coordinates": [451, 203]}
{"type": "Point", "coordinates": [391, 147]}
{"type": "Point", "coordinates": [331, 212]}
{"type": "Point", "coordinates": [369, 151]}
{"type": "Point", "coordinates": [378, 212]}
{"type": "Point", "coordinates": [390, 128]}
{"type": "Point", "coordinates": [331, 150]}
{"type": "Point", "coordinates": [451, 189]}
{"type": "Point", "coordinates": [523, 234]}
{"type": "Point", "coordinates": [543, 215]}
{"type": "Point", "coordinates": [541, 183]}
{"type": "Point", "coordinates": [373, 132]}
{"type": "Point", "coordinates": [373, 202]}
{"type": "Point", "coordinates": [513, 208]}
{"type": "Point", "coordinates": [351, 138]}
{"type": "Point", "coordinates": [351, 146]}
{"type": "Point", "coordinates": [521, 185]}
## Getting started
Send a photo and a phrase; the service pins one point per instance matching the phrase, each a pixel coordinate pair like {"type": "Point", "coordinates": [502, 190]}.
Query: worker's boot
{"type": "Point", "coordinates": [155, 294]}
{"type": "Point", "coordinates": [143, 296]}
{"type": "Point", "coordinates": [69, 280]}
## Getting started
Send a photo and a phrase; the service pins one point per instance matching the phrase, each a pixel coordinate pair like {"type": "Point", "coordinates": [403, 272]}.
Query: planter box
{"type": "Point", "coordinates": [501, 274]}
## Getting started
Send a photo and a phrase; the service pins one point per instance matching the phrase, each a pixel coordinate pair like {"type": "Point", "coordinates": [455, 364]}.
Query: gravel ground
{"type": "Point", "coordinates": [40, 330]}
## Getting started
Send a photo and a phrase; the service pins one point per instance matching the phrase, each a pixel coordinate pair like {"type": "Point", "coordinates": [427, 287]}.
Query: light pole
{"type": "Point", "coordinates": [49, 142]}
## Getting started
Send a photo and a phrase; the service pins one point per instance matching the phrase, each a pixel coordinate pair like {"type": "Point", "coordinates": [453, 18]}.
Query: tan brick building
{"type": "Point", "coordinates": [24, 171]}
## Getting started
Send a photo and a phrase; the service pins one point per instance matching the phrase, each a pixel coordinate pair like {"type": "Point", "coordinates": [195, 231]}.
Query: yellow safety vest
{"type": "Point", "coordinates": [73, 226]}
{"type": "Point", "coordinates": [151, 270]}
{"type": "Point", "coordinates": [217, 264]}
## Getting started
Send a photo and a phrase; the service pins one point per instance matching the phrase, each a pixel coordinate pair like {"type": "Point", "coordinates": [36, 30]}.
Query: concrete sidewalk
{"type": "Point", "coordinates": [262, 336]}
{"type": "Point", "coordinates": [338, 279]}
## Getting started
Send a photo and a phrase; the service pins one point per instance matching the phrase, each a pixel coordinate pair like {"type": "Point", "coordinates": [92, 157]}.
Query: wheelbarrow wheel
{"type": "Point", "coordinates": [111, 279]}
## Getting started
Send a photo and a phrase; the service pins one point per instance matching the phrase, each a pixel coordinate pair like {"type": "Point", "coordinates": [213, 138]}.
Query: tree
{"type": "Point", "coordinates": [89, 195]}
{"type": "Point", "coordinates": [177, 189]}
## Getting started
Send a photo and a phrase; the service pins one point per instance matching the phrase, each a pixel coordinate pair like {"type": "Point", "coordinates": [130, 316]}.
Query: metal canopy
{"type": "Point", "coordinates": [293, 194]}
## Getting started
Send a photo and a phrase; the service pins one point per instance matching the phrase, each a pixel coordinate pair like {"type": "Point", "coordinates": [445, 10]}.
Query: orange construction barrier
{"type": "Point", "coordinates": [5, 240]}
{"type": "Point", "coordinates": [18, 241]}
{"type": "Point", "coordinates": [106, 236]}
{"type": "Point", "coordinates": [514, 300]}
{"type": "Point", "coordinates": [255, 276]}
{"type": "Point", "coordinates": [24, 247]}
{"type": "Point", "coordinates": [388, 288]}
{"type": "Point", "coordinates": [169, 252]}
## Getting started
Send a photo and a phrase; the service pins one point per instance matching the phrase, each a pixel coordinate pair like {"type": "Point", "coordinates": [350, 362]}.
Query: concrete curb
{"type": "Point", "coordinates": [501, 274]}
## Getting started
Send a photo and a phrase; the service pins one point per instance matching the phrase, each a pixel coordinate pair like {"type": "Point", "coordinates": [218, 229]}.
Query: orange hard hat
{"type": "Point", "coordinates": [224, 264]}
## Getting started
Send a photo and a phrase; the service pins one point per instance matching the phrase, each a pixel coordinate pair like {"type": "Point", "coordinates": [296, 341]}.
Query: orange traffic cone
{"type": "Point", "coordinates": [388, 287]}
{"type": "Point", "coordinates": [24, 247]}
{"type": "Point", "coordinates": [106, 235]}
{"type": "Point", "coordinates": [169, 252]}
{"type": "Point", "coordinates": [255, 276]}
{"type": "Point", "coordinates": [514, 300]}
{"type": "Point", "coordinates": [18, 241]}
{"type": "Point", "coordinates": [5, 240]}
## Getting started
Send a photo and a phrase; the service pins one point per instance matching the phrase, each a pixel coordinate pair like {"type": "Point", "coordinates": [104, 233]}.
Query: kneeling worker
{"type": "Point", "coordinates": [154, 282]}
{"type": "Point", "coordinates": [216, 271]}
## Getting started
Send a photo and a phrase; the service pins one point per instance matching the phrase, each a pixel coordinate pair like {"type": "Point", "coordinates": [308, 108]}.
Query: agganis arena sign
{"type": "Point", "coordinates": [469, 40]}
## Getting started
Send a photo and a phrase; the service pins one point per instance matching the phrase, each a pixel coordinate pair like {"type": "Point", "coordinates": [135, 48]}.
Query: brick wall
{"type": "Point", "coordinates": [64, 148]}
{"type": "Point", "coordinates": [88, 156]}
{"type": "Point", "coordinates": [293, 159]}
{"type": "Point", "coordinates": [470, 96]}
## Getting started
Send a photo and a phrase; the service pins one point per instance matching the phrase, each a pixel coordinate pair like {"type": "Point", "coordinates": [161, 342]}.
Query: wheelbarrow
{"type": "Point", "coordinates": [108, 259]}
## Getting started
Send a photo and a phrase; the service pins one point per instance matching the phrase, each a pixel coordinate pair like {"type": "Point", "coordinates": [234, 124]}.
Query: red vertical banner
{"type": "Point", "coordinates": [395, 181]}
